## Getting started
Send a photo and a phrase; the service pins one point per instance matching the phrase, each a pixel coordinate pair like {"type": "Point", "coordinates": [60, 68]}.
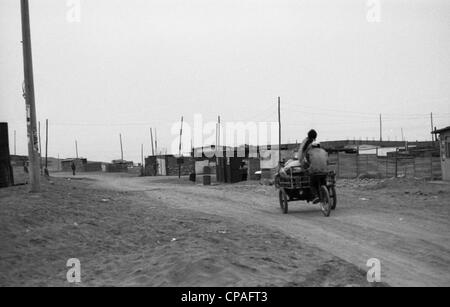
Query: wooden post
{"type": "Point", "coordinates": [46, 145]}
{"type": "Point", "coordinates": [218, 132]}
{"type": "Point", "coordinates": [431, 119]}
{"type": "Point", "coordinates": [179, 148]}
{"type": "Point", "coordinates": [156, 143]}
{"type": "Point", "coordinates": [15, 153]}
{"type": "Point", "coordinates": [40, 146]}
{"type": "Point", "coordinates": [142, 155]}
{"type": "Point", "coordinates": [279, 131]}
{"type": "Point", "coordinates": [381, 131]}
{"type": "Point", "coordinates": [76, 149]}
{"type": "Point", "coordinates": [121, 147]}
{"type": "Point", "coordinates": [33, 155]}
{"type": "Point", "coordinates": [151, 138]}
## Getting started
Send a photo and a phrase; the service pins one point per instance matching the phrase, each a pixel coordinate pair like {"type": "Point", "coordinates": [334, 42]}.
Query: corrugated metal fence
{"type": "Point", "coordinates": [353, 165]}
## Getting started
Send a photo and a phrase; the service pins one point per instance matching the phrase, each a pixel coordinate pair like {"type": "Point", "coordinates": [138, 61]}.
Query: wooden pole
{"type": "Point", "coordinates": [33, 155]}
{"type": "Point", "coordinates": [218, 133]}
{"type": "Point", "coordinates": [40, 146]}
{"type": "Point", "coordinates": [46, 144]}
{"type": "Point", "coordinates": [142, 155]}
{"type": "Point", "coordinates": [156, 143]}
{"type": "Point", "coordinates": [121, 147]}
{"type": "Point", "coordinates": [381, 130]}
{"type": "Point", "coordinates": [15, 153]}
{"type": "Point", "coordinates": [76, 149]}
{"type": "Point", "coordinates": [181, 134]}
{"type": "Point", "coordinates": [179, 148]}
{"type": "Point", "coordinates": [151, 138]}
{"type": "Point", "coordinates": [279, 130]}
{"type": "Point", "coordinates": [431, 119]}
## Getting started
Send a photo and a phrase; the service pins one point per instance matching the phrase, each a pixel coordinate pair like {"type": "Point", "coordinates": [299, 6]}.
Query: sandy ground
{"type": "Point", "coordinates": [126, 233]}
{"type": "Point", "coordinates": [164, 231]}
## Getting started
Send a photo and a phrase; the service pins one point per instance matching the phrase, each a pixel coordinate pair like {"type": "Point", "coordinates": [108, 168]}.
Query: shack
{"type": "Point", "coordinates": [444, 144]}
{"type": "Point", "coordinates": [6, 172]}
{"type": "Point", "coordinates": [169, 165]}
{"type": "Point", "coordinates": [81, 164]}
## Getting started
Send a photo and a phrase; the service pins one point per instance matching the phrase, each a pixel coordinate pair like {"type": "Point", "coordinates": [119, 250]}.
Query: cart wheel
{"type": "Point", "coordinates": [333, 197]}
{"type": "Point", "coordinates": [325, 201]}
{"type": "Point", "coordinates": [283, 202]}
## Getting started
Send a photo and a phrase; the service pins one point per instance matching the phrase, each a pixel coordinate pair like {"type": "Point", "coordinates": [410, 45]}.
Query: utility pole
{"type": "Point", "coordinates": [15, 153]}
{"type": "Point", "coordinates": [46, 145]}
{"type": "Point", "coordinates": [33, 155]}
{"type": "Point", "coordinates": [33, 143]}
{"type": "Point", "coordinates": [381, 130]}
{"type": "Point", "coordinates": [121, 147]}
{"type": "Point", "coordinates": [151, 138]}
{"type": "Point", "coordinates": [40, 146]}
{"type": "Point", "coordinates": [156, 143]}
{"type": "Point", "coordinates": [142, 155]}
{"type": "Point", "coordinates": [218, 133]}
{"type": "Point", "coordinates": [279, 130]}
{"type": "Point", "coordinates": [76, 149]}
{"type": "Point", "coordinates": [431, 119]}
{"type": "Point", "coordinates": [179, 149]}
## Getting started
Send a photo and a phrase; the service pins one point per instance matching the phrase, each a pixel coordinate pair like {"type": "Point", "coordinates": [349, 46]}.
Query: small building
{"type": "Point", "coordinates": [6, 171]}
{"type": "Point", "coordinates": [66, 164]}
{"type": "Point", "coordinates": [81, 165]}
{"type": "Point", "coordinates": [169, 165]}
{"type": "Point", "coordinates": [117, 166]}
{"type": "Point", "coordinates": [444, 144]}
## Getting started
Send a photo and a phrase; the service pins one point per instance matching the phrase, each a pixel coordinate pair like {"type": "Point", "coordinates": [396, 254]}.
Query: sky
{"type": "Point", "coordinates": [125, 66]}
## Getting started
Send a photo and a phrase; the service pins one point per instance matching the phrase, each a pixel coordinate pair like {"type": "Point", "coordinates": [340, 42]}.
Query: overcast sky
{"type": "Point", "coordinates": [130, 65]}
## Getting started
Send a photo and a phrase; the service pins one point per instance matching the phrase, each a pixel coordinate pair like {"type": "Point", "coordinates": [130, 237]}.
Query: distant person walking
{"type": "Point", "coordinates": [73, 168]}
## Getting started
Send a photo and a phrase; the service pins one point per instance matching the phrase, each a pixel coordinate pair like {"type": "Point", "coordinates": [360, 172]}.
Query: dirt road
{"type": "Point", "coordinates": [405, 224]}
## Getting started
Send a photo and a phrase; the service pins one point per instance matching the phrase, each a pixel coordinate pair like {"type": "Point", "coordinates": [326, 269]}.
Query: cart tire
{"type": "Point", "coordinates": [283, 202]}
{"type": "Point", "coordinates": [325, 201]}
{"type": "Point", "coordinates": [333, 197]}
